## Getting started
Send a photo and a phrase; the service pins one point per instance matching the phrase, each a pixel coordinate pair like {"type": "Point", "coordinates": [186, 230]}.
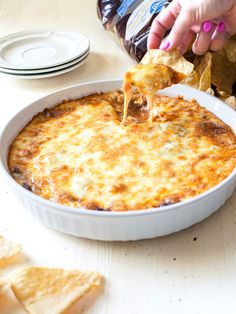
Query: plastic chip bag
{"type": "Point", "coordinates": [130, 20]}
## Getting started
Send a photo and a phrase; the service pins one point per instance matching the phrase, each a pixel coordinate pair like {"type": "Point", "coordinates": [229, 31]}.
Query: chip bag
{"type": "Point", "coordinates": [130, 20]}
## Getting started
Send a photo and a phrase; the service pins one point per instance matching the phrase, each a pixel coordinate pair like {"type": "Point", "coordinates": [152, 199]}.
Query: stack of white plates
{"type": "Point", "coordinates": [42, 53]}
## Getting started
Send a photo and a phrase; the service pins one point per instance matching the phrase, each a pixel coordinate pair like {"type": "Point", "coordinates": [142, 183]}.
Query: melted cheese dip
{"type": "Point", "coordinates": [79, 154]}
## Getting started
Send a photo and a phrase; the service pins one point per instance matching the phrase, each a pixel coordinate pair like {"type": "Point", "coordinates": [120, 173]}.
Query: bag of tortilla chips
{"type": "Point", "coordinates": [130, 20]}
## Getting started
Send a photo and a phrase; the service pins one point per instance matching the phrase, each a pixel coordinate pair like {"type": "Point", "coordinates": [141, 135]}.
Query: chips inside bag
{"type": "Point", "coordinates": [213, 73]}
{"type": "Point", "coordinates": [223, 71]}
{"type": "Point", "coordinates": [200, 78]}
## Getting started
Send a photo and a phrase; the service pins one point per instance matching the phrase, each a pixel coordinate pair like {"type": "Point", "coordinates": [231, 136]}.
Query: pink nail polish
{"type": "Point", "coordinates": [207, 26]}
{"type": "Point", "coordinates": [220, 27]}
{"type": "Point", "coordinates": [165, 45]}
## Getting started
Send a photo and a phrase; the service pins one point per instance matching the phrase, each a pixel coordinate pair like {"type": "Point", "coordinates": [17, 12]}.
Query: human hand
{"type": "Point", "coordinates": [211, 20]}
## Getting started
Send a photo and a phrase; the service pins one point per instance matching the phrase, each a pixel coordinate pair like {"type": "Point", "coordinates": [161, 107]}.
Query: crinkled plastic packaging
{"type": "Point", "coordinates": [130, 20]}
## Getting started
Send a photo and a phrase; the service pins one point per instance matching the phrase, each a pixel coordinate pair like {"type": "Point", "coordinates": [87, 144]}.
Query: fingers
{"type": "Point", "coordinates": [161, 24]}
{"type": "Point", "coordinates": [219, 37]}
{"type": "Point", "coordinates": [156, 34]}
{"type": "Point", "coordinates": [181, 28]}
{"type": "Point", "coordinates": [203, 41]}
{"type": "Point", "coordinates": [187, 40]}
{"type": "Point", "coordinates": [210, 37]}
{"type": "Point", "coordinates": [184, 27]}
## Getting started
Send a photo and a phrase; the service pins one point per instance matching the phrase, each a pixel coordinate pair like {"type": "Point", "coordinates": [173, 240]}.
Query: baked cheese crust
{"type": "Point", "coordinates": [78, 153]}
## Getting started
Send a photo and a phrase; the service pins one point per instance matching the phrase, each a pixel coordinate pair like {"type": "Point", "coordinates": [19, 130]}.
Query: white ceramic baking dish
{"type": "Point", "coordinates": [110, 226]}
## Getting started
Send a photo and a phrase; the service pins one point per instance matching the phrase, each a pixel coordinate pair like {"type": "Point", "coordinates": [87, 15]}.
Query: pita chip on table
{"type": "Point", "coordinates": [40, 289]}
{"type": "Point", "coordinates": [9, 252]}
{"type": "Point", "coordinates": [8, 302]}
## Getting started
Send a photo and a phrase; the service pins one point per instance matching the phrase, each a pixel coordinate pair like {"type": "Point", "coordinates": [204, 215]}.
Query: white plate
{"type": "Point", "coordinates": [38, 49]}
{"type": "Point", "coordinates": [46, 74]}
{"type": "Point", "coordinates": [45, 70]}
{"type": "Point", "coordinates": [110, 226]}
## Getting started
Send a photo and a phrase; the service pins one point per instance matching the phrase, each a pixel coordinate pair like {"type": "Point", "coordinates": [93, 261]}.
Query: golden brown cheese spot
{"type": "Point", "coordinates": [218, 132]}
{"type": "Point", "coordinates": [118, 188]}
{"type": "Point", "coordinates": [78, 154]}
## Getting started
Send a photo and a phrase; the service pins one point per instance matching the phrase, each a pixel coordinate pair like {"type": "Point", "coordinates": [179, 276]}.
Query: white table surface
{"type": "Point", "coordinates": [172, 274]}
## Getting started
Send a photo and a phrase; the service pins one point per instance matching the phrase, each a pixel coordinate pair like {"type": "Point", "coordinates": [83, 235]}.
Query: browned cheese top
{"type": "Point", "coordinates": [79, 154]}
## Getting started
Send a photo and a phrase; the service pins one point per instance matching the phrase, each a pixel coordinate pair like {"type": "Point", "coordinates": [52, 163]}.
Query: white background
{"type": "Point", "coordinates": [173, 274]}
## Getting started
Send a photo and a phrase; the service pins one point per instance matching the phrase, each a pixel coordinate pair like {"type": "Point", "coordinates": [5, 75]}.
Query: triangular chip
{"type": "Point", "coordinates": [229, 100]}
{"type": "Point", "coordinates": [210, 91]}
{"type": "Point", "coordinates": [8, 252]}
{"type": "Point", "coordinates": [40, 289]}
{"type": "Point", "coordinates": [173, 59]}
{"type": "Point", "coordinates": [223, 72]}
{"type": "Point", "coordinates": [230, 49]}
{"type": "Point", "coordinates": [4, 285]}
{"type": "Point", "coordinates": [201, 77]}
{"type": "Point", "coordinates": [8, 302]}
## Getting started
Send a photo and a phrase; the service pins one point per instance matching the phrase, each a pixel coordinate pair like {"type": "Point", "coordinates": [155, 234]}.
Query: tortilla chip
{"type": "Point", "coordinates": [210, 91]}
{"type": "Point", "coordinates": [230, 49]}
{"type": "Point", "coordinates": [230, 101]}
{"type": "Point", "coordinates": [8, 252]}
{"type": "Point", "coordinates": [173, 59]}
{"type": "Point", "coordinates": [4, 285]}
{"type": "Point", "coordinates": [189, 55]}
{"type": "Point", "coordinates": [40, 289]}
{"type": "Point", "coordinates": [201, 77]}
{"type": "Point", "coordinates": [223, 72]}
{"type": "Point", "coordinates": [8, 302]}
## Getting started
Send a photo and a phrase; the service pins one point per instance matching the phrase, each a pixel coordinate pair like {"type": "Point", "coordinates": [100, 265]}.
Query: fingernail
{"type": "Point", "coordinates": [165, 45]}
{"type": "Point", "coordinates": [207, 26]}
{"type": "Point", "coordinates": [220, 27]}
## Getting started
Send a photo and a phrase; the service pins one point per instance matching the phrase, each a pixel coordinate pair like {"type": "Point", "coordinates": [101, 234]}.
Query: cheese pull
{"type": "Point", "coordinates": [147, 79]}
